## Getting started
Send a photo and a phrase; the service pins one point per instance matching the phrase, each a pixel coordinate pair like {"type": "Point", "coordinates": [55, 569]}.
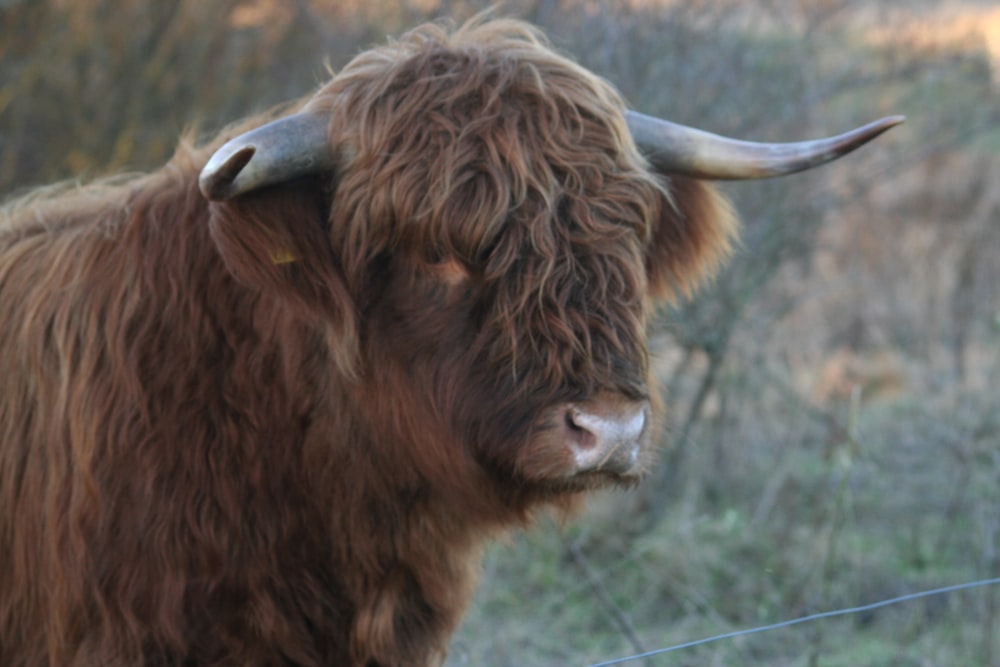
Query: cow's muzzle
{"type": "Point", "coordinates": [607, 435]}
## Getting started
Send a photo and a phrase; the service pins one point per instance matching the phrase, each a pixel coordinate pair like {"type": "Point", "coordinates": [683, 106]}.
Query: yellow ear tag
{"type": "Point", "coordinates": [283, 257]}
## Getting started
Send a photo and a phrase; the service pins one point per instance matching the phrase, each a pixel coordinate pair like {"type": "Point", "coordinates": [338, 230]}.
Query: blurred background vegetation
{"type": "Point", "coordinates": [834, 434]}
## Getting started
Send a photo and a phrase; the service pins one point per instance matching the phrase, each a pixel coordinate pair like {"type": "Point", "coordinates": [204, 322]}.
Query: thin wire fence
{"type": "Point", "coordinates": [982, 583]}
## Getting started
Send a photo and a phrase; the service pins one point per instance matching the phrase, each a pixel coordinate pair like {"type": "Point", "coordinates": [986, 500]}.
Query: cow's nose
{"type": "Point", "coordinates": [606, 435]}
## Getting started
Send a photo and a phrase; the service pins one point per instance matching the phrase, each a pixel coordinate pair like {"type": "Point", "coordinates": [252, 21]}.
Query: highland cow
{"type": "Point", "coordinates": [264, 405]}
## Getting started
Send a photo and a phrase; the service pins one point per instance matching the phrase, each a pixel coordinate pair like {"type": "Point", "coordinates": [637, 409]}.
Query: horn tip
{"type": "Point", "coordinates": [217, 179]}
{"type": "Point", "coordinates": [893, 121]}
{"type": "Point", "coordinates": [881, 125]}
{"type": "Point", "coordinates": [868, 132]}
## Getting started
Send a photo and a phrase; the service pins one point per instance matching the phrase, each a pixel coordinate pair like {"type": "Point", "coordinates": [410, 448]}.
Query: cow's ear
{"type": "Point", "coordinates": [273, 240]}
{"type": "Point", "coordinates": [693, 235]}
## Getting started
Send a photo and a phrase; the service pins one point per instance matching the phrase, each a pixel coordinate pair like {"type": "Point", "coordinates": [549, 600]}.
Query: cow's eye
{"type": "Point", "coordinates": [448, 270]}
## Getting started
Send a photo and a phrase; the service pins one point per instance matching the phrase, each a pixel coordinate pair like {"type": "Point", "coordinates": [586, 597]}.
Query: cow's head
{"type": "Point", "coordinates": [503, 226]}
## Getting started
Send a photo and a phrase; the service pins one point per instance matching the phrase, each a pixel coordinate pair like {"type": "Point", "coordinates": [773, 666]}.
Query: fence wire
{"type": "Point", "coordinates": [982, 583]}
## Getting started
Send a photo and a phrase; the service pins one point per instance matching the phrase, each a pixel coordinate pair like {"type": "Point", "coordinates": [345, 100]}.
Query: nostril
{"type": "Point", "coordinates": [580, 437]}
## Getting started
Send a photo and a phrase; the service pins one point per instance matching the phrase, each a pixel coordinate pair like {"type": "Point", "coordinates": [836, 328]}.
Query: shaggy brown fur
{"type": "Point", "coordinates": [209, 458]}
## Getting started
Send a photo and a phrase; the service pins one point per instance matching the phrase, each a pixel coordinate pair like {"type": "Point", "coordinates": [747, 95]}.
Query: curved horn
{"type": "Point", "coordinates": [673, 148]}
{"type": "Point", "coordinates": [279, 151]}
